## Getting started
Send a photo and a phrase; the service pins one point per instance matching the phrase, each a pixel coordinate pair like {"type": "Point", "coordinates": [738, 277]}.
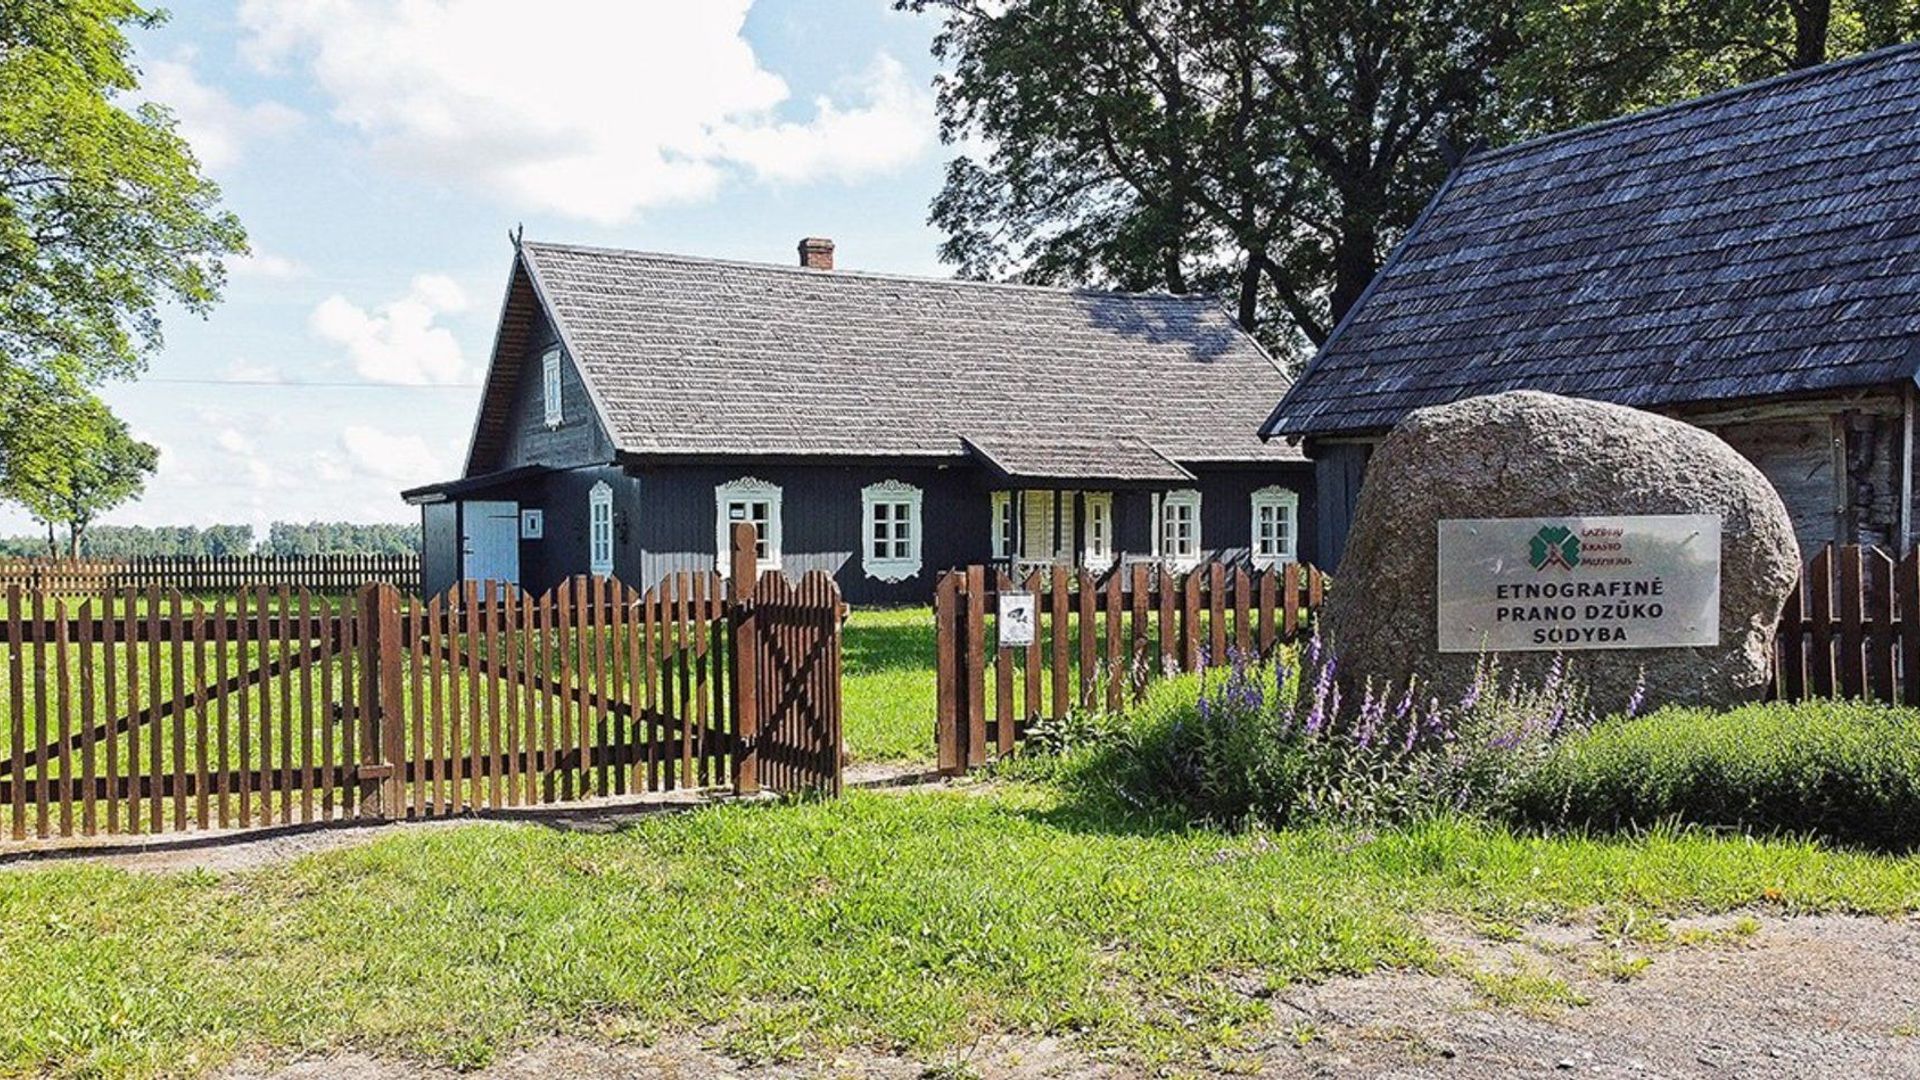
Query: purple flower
{"type": "Point", "coordinates": [1472, 696]}
{"type": "Point", "coordinates": [1639, 696]}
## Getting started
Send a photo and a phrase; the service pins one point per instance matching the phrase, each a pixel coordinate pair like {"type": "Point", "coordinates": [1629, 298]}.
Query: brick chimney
{"type": "Point", "coordinates": [816, 253]}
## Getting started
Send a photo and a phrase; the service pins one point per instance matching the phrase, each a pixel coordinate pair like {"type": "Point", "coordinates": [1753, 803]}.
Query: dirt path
{"type": "Point", "coordinates": [234, 850]}
{"type": "Point", "coordinates": [1737, 996]}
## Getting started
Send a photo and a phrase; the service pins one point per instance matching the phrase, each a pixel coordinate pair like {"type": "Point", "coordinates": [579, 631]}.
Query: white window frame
{"type": "Point", "coordinates": [600, 530]}
{"type": "Point", "coordinates": [746, 489]}
{"type": "Point", "coordinates": [1004, 530]}
{"type": "Point", "coordinates": [1099, 516]}
{"type": "Point", "coordinates": [550, 392]}
{"type": "Point", "coordinates": [1187, 499]}
{"type": "Point", "coordinates": [891, 494]}
{"type": "Point", "coordinates": [1286, 502]}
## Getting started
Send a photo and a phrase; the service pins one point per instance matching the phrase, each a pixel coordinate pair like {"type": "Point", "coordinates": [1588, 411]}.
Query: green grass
{"type": "Point", "coordinates": [887, 657]}
{"type": "Point", "coordinates": [1845, 771]}
{"type": "Point", "coordinates": [915, 920]}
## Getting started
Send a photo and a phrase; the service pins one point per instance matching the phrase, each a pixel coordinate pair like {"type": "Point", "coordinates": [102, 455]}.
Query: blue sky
{"type": "Point", "coordinates": [378, 153]}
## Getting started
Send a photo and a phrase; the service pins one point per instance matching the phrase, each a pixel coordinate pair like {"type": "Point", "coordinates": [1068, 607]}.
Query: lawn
{"type": "Point", "coordinates": [911, 920]}
{"type": "Point", "coordinates": [889, 696]}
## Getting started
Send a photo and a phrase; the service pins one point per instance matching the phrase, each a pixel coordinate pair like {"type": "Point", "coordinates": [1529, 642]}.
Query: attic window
{"type": "Point", "coordinates": [550, 385]}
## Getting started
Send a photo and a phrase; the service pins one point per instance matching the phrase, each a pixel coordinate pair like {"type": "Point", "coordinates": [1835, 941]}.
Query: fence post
{"type": "Point", "coordinates": [951, 756]}
{"type": "Point", "coordinates": [381, 705]}
{"type": "Point", "coordinates": [743, 579]}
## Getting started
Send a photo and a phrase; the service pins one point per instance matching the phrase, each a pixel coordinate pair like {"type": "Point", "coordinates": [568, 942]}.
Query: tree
{"type": "Point", "coordinates": [1589, 60]}
{"type": "Point", "coordinates": [68, 460]}
{"type": "Point", "coordinates": [1274, 150]}
{"type": "Point", "coordinates": [103, 211]}
{"type": "Point", "coordinates": [341, 538]}
{"type": "Point", "coordinates": [1267, 148]}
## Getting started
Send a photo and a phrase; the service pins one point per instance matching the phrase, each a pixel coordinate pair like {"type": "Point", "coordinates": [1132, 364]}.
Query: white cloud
{"type": "Point", "coordinates": [593, 109]}
{"type": "Point", "coordinates": [233, 442]}
{"type": "Point", "coordinates": [405, 460]}
{"type": "Point", "coordinates": [217, 127]}
{"type": "Point", "coordinates": [400, 342]}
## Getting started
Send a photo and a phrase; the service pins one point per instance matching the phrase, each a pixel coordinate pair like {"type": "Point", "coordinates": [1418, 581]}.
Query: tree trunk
{"type": "Point", "coordinates": [1171, 269]}
{"type": "Point", "coordinates": [1250, 296]}
{"type": "Point", "coordinates": [1811, 20]}
{"type": "Point", "coordinates": [1355, 260]}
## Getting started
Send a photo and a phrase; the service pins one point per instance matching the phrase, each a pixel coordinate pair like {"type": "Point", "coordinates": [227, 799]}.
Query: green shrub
{"type": "Point", "coordinates": [1272, 744]}
{"type": "Point", "coordinates": [1845, 771]}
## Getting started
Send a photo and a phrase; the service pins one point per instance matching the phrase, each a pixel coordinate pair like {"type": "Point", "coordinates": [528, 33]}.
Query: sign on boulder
{"type": "Point", "coordinates": [1523, 525]}
{"type": "Point", "coordinates": [1528, 585]}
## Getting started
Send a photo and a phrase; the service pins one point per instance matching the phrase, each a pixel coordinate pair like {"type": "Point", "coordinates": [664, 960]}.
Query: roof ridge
{"type": "Point", "coordinates": [1656, 112]}
{"type": "Point", "coordinates": [873, 275]}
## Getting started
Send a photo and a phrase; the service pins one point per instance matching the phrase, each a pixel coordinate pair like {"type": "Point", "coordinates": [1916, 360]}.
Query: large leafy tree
{"type": "Point", "coordinates": [1263, 148]}
{"type": "Point", "coordinates": [1273, 150]}
{"type": "Point", "coordinates": [104, 214]}
{"type": "Point", "coordinates": [68, 459]}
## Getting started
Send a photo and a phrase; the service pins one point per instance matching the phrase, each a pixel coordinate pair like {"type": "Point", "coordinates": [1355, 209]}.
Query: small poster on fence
{"type": "Point", "coordinates": [1016, 619]}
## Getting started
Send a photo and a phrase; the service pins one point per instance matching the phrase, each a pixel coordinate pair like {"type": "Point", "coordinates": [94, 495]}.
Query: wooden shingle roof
{"type": "Point", "coordinates": [691, 356]}
{"type": "Point", "coordinates": [1758, 242]}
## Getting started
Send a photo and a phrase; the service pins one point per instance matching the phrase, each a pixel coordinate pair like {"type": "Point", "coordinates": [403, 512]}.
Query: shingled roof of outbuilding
{"type": "Point", "coordinates": [694, 357]}
{"type": "Point", "coordinates": [1758, 242]}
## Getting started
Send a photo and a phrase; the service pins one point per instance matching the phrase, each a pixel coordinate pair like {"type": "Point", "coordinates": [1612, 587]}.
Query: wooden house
{"type": "Point", "coordinates": [879, 427]}
{"type": "Point", "coordinates": [1747, 261]}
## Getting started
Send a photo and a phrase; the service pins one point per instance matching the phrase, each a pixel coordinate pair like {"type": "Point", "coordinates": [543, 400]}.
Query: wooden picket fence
{"type": "Point", "coordinates": [144, 711]}
{"type": "Point", "coordinates": [1097, 642]}
{"type": "Point", "coordinates": [1851, 628]}
{"type": "Point", "coordinates": [211, 573]}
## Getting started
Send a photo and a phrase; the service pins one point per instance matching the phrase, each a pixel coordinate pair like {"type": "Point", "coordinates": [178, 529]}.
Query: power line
{"type": "Point", "coordinates": [304, 384]}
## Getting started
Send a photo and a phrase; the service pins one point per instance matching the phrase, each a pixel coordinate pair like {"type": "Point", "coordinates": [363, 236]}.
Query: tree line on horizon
{"type": "Point", "coordinates": [284, 538]}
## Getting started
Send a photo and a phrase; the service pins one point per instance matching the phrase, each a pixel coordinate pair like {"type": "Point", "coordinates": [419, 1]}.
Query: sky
{"type": "Point", "coordinates": [378, 153]}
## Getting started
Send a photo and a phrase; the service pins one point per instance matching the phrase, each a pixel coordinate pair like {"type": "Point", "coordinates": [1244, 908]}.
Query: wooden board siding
{"type": "Point", "coordinates": [1796, 457]}
{"type": "Point", "coordinates": [674, 511]}
{"type": "Point", "coordinates": [1226, 509]}
{"type": "Point", "coordinates": [1338, 469]}
{"type": "Point", "coordinates": [580, 439]}
{"type": "Point", "coordinates": [664, 521]}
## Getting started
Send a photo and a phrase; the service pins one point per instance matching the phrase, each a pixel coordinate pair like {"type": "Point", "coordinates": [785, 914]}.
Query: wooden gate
{"type": "Point", "coordinates": [149, 712]}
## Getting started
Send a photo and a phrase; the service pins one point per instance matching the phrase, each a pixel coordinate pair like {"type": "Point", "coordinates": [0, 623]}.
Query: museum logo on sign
{"type": "Point", "coordinates": [1554, 545]}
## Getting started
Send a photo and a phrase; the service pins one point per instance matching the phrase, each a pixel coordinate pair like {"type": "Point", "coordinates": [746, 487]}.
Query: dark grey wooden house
{"type": "Point", "coordinates": [1748, 261]}
{"type": "Point", "coordinates": [877, 427]}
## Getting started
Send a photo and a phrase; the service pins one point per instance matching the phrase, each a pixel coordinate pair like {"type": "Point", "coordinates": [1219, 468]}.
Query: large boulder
{"type": "Point", "coordinates": [1531, 455]}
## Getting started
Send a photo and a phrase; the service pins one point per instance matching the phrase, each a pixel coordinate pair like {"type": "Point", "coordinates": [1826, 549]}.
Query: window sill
{"type": "Point", "coordinates": [891, 570]}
